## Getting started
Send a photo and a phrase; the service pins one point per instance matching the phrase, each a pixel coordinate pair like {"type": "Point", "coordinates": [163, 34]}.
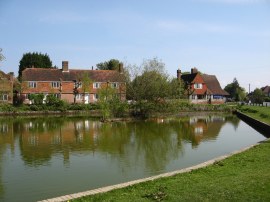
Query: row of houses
{"type": "Point", "coordinates": [69, 84]}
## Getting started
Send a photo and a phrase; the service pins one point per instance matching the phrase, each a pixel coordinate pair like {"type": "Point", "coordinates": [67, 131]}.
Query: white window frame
{"type": "Point", "coordinates": [198, 86]}
{"type": "Point", "coordinates": [55, 84]}
{"type": "Point", "coordinates": [96, 85]}
{"type": "Point", "coordinates": [96, 97]}
{"type": "Point", "coordinates": [114, 85]}
{"type": "Point", "coordinates": [79, 96]}
{"type": "Point", "coordinates": [4, 97]}
{"type": "Point", "coordinates": [32, 84]}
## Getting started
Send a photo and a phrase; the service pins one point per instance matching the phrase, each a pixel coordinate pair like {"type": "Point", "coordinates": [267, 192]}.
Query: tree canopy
{"type": "Point", "coordinates": [235, 90]}
{"type": "Point", "coordinates": [2, 57]}
{"type": "Point", "coordinates": [112, 64]}
{"type": "Point", "coordinates": [257, 96]}
{"type": "Point", "coordinates": [148, 81]}
{"type": "Point", "coordinates": [36, 60]}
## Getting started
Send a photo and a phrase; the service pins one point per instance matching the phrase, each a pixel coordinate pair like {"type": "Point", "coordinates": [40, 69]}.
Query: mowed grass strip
{"type": "Point", "coordinates": [242, 177]}
{"type": "Point", "coordinates": [256, 112]}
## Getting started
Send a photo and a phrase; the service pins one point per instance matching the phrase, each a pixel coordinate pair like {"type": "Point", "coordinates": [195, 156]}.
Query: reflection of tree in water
{"type": "Point", "coordinates": [1, 181]}
{"type": "Point", "coordinates": [151, 144]}
{"type": "Point", "coordinates": [234, 120]}
{"type": "Point", "coordinates": [6, 142]}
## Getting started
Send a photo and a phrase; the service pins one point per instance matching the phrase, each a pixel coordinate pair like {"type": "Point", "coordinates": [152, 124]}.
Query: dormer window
{"type": "Point", "coordinates": [197, 86]}
{"type": "Point", "coordinates": [96, 85]}
{"type": "Point", "coordinates": [32, 84]}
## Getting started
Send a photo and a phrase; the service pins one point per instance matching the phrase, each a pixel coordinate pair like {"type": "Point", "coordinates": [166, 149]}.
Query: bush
{"type": "Point", "coordinates": [7, 108]}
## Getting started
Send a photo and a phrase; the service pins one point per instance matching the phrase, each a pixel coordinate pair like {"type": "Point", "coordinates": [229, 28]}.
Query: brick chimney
{"type": "Point", "coordinates": [179, 74]}
{"type": "Point", "coordinates": [194, 70]}
{"type": "Point", "coordinates": [121, 68]}
{"type": "Point", "coordinates": [65, 66]}
{"type": "Point", "coordinates": [11, 76]}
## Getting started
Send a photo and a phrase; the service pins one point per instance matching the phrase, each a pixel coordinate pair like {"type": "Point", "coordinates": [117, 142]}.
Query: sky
{"type": "Point", "coordinates": [226, 38]}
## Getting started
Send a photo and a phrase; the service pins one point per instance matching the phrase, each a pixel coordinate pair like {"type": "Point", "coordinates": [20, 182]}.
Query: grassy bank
{"type": "Point", "coordinates": [242, 177]}
{"type": "Point", "coordinates": [256, 112]}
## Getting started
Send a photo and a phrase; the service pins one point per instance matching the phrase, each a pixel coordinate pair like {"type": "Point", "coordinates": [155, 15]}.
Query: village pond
{"type": "Point", "coordinates": [42, 158]}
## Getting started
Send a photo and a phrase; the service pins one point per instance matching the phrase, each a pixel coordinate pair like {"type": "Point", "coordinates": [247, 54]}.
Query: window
{"type": "Point", "coordinates": [79, 97]}
{"type": "Point", "coordinates": [55, 84]}
{"type": "Point", "coordinates": [4, 97]}
{"type": "Point", "coordinates": [114, 85]}
{"type": "Point", "coordinates": [78, 85]}
{"type": "Point", "coordinates": [32, 84]}
{"type": "Point", "coordinates": [96, 85]}
{"type": "Point", "coordinates": [198, 86]}
{"type": "Point", "coordinates": [96, 96]}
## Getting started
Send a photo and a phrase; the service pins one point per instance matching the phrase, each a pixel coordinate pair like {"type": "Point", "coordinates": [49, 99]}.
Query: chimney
{"type": "Point", "coordinates": [11, 75]}
{"type": "Point", "coordinates": [65, 66]}
{"type": "Point", "coordinates": [194, 70]}
{"type": "Point", "coordinates": [121, 68]}
{"type": "Point", "coordinates": [179, 74]}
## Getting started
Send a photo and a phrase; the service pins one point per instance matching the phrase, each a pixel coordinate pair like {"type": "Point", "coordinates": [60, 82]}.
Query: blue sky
{"type": "Point", "coordinates": [227, 38]}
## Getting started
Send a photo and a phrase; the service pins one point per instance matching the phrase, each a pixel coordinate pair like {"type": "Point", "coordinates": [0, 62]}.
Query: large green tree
{"type": "Point", "coordinates": [36, 60]}
{"type": "Point", "coordinates": [258, 96]}
{"type": "Point", "coordinates": [149, 82]}
{"type": "Point", "coordinates": [235, 90]}
{"type": "Point", "coordinates": [112, 64]}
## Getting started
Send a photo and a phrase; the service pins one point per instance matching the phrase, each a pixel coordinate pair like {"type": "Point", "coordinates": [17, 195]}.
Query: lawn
{"type": "Point", "coordinates": [242, 177]}
{"type": "Point", "coordinates": [259, 113]}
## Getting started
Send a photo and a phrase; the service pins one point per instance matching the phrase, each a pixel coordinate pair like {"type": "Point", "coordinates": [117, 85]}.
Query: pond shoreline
{"type": "Point", "coordinates": [152, 178]}
{"type": "Point", "coordinates": [97, 114]}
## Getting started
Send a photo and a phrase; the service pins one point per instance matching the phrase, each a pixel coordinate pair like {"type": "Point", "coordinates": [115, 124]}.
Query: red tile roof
{"type": "Point", "coordinates": [213, 85]}
{"type": "Point", "coordinates": [47, 74]}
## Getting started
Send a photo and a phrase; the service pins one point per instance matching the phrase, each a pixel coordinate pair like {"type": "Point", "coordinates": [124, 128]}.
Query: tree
{"type": "Point", "coordinates": [177, 89]}
{"type": "Point", "coordinates": [149, 82]}
{"type": "Point", "coordinates": [112, 64]}
{"type": "Point", "coordinates": [109, 103]}
{"type": "Point", "coordinates": [258, 96]}
{"type": "Point", "coordinates": [2, 57]}
{"type": "Point", "coordinates": [235, 90]}
{"type": "Point", "coordinates": [36, 60]}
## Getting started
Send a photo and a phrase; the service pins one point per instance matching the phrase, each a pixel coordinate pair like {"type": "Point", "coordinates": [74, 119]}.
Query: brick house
{"type": "Point", "coordinates": [72, 85]}
{"type": "Point", "coordinates": [266, 91]}
{"type": "Point", "coordinates": [6, 87]}
{"type": "Point", "coordinates": [202, 88]}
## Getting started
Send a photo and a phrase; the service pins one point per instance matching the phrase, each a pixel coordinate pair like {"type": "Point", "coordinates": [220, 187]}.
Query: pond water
{"type": "Point", "coordinates": [42, 158]}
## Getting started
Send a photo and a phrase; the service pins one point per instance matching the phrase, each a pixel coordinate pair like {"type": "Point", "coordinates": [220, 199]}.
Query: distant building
{"type": "Point", "coordinates": [266, 91]}
{"type": "Point", "coordinates": [68, 84]}
{"type": "Point", "coordinates": [6, 87]}
{"type": "Point", "coordinates": [202, 88]}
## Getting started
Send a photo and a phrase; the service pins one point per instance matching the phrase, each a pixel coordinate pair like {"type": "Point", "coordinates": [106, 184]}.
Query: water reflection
{"type": "Point", "coordinates": [151, 144]}
{"type": "Point", "coordinates": [157, 140]}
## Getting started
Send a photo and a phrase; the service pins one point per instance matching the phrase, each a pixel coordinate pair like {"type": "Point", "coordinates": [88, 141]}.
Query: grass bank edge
{"type": "Point", "coordinates": [242, 176]}
{"type": "Point", "coordinates": [257, 112]}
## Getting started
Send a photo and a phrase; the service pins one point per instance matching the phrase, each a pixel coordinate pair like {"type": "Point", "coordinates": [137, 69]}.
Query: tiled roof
{"type": "Point", "coordinates": [266, 89]}
{"type": "Point", "coordinates": [189, 77]}
{"type": "Point", "coordinates": [46, 74]}
{"type": "Point", "coordinates": [213, 85]}
{"type": "Point", "coordinates": [4, 76]}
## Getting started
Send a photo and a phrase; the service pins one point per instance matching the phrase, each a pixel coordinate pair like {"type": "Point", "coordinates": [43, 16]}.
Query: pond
{"type": "Point", "coordinates": [42, 158]}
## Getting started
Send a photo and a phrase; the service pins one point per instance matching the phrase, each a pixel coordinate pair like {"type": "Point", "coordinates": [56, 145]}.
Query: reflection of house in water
{"type": "Point", "coordinates": [205, 128]}
{"type": "Point", "coordinates": [38, 146]}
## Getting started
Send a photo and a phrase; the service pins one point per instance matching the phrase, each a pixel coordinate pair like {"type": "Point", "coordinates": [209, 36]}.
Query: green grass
{"type": "Point", "coordinates": [242, 177]}
{"type": "Point", "coordinates": [259, 113]}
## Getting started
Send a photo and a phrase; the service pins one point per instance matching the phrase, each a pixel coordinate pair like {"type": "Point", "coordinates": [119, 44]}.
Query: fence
{"type": "Point", "coordinates": [264, 104]}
